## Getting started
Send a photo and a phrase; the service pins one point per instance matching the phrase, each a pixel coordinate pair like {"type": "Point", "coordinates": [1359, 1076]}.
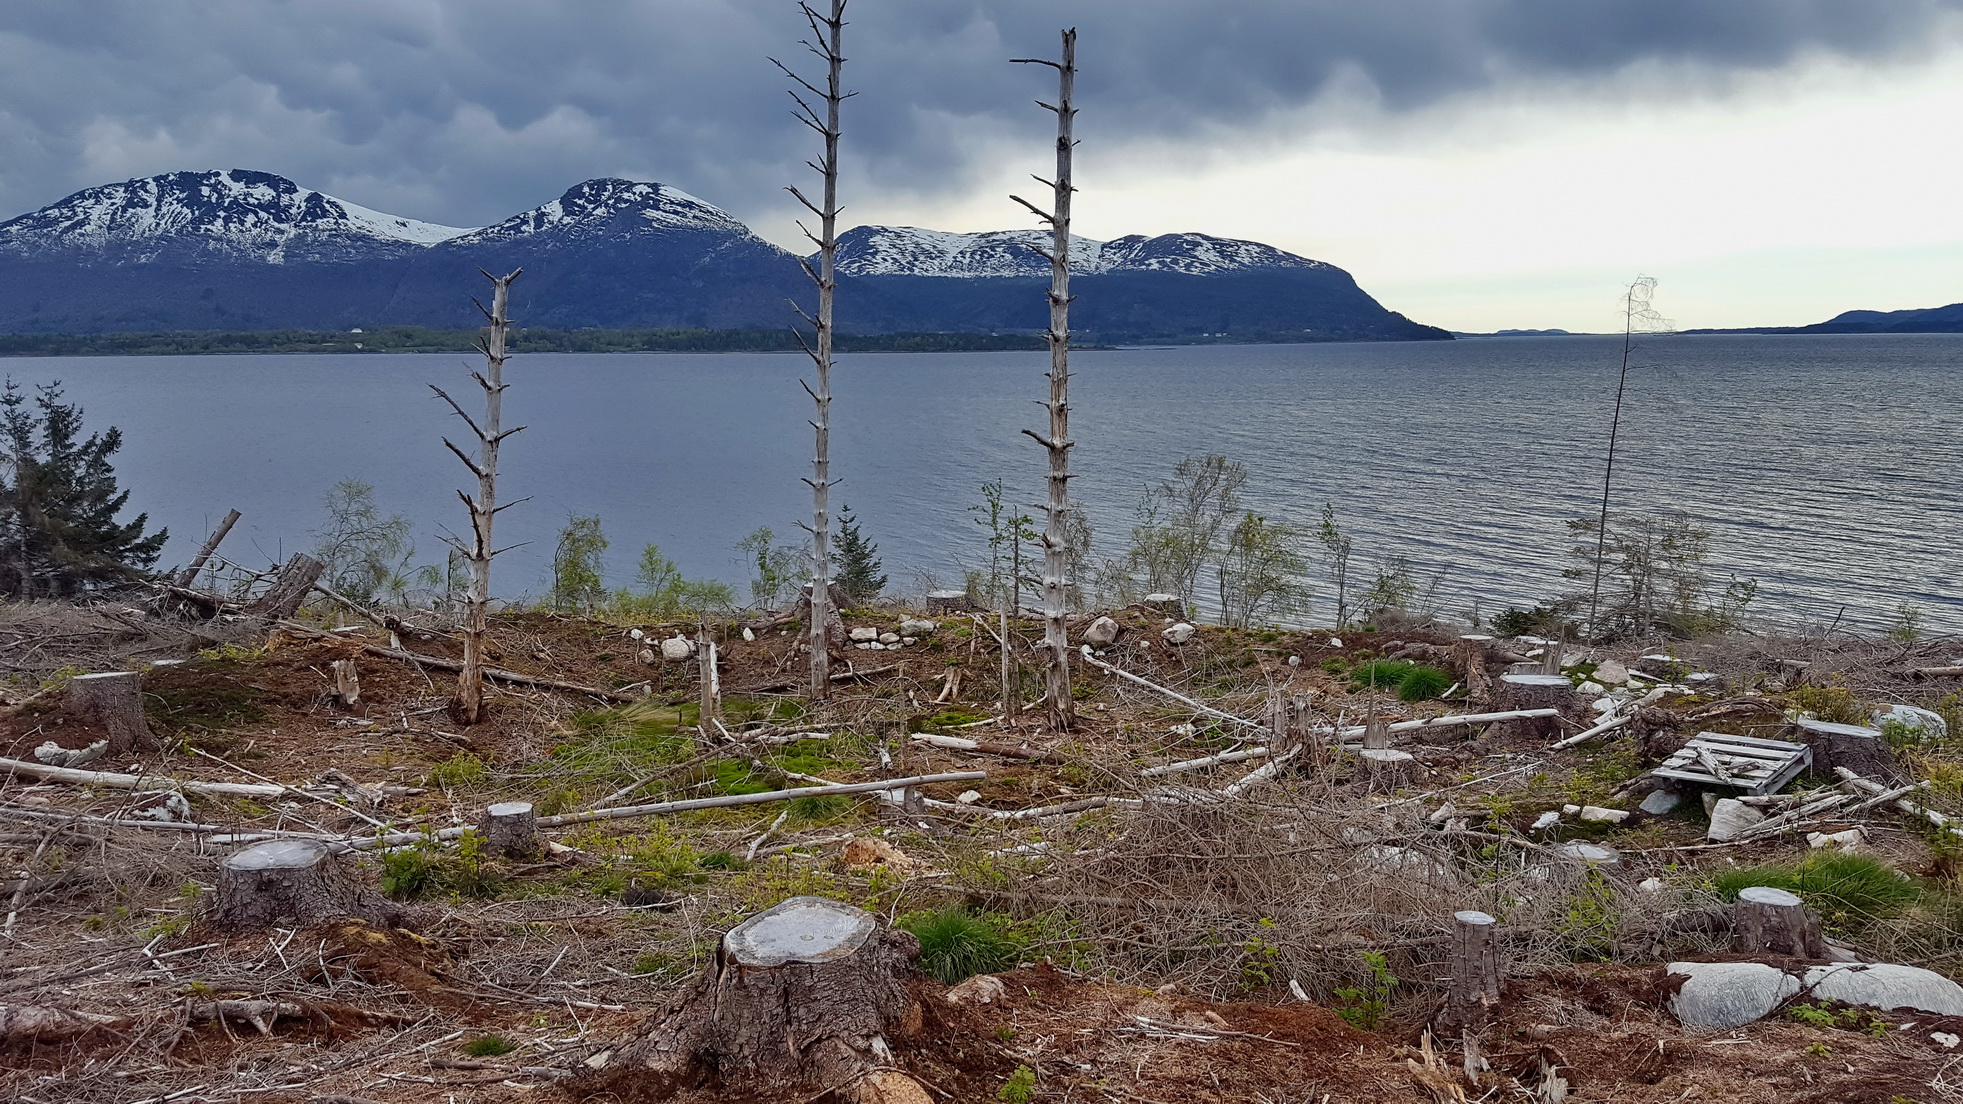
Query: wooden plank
{"type": "Point", "coordinates": [1749, 741]}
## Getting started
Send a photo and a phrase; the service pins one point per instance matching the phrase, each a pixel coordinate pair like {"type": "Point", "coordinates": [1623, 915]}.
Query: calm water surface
{"type": "Point", "coordinates": [1826, 468]}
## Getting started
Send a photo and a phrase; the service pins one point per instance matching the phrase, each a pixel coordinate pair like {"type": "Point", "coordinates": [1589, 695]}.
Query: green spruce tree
{"type": "Point", "coordinates": [58, 502]}
{"type": "Point", "coordinates": [858, 573]}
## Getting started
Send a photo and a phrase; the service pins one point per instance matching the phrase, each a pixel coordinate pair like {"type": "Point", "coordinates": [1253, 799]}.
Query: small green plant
{"type": "Point", "coordinates": [1364, 1003]}
{"type": "Point", "coordinates": [1814, 1015]}
{"type": "Point", "coordinates": [956, 944]}
{"type": "Point", "coordinates": [1819, 1050]}
{"type": "Point", "coordinates": [1336, 665]}
{"type": "Point", "coordinates": [1907, 626]}
{"type": "Point", "coordinates": [652, 962]}
{"type": "Point", "coordinates": [1409, 681]}
{"type": "Point", "coordinates": [1829, 703]}
{"type": "Point", "coordinates": [719, 860]}
{"type": "Point", "coordinates": [1590, 920]}
{"type": "Point", "coordinates": [1020, 1088]}
{"type": "Point", "coordinates": [409, 872]}
{"type": "Point", "coordinates": [461, 769]}
{"type": "Point", "coordinates": [1423, 684]}
{"type": "Point", "coordinates": [1005, 1033]}
{"type": "Point", "coordinates": [1260, 958]}
{"type": "Point", "coordinates": [489, 1046]}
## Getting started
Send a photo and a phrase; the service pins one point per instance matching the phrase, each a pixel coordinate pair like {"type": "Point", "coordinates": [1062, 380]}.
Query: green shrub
{"type": "Point", "coordinates": [427, 867]}
{"type": "Point", "coordinates": [1410, 681]}
{"type": "Point", "coordinates": [1364, 1003]}
{"type": "Point", "coordinates": [956, 944]}
{"type": "Point", "coordinates": [1830, 703]}
{"type": "Point", "coordinates": [1847, 891]}
{"type": "Point", "coordinates": [461, 769]}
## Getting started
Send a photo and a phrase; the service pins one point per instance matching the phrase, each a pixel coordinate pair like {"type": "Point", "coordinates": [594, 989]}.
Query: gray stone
{"type": "Point", "coordinates": [914, 626]}
{"type": "Point", "coordinates": [864, 634]}
{"type": "Point", "coordinates": [889, 638]}
{"type": "Point", "coordinates": [1922, 723]}
{"type": "Point", "coordinates": [676, 648]}
{"type": "Point", "coordinates": [1660, 801]}
{"type": "Point", "coordinates": [1179, 633]}
{"type": "Point", "coordinates": [1610, 673]}
{"type": "Point", "coordinates": [1101, 632]}
{"type": "Point", "coordinates": [1728, 994]}
{"type": "Point", "coordinates": [1732, 994]}
{"type": "Point", "coordinates": [1729, 817]}
{"type": "Point", "coordinates": [1591, 853]}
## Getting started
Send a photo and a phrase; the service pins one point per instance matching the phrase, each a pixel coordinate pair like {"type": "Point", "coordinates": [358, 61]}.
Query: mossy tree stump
{"type": "Point", "coordinates": [802, 999]}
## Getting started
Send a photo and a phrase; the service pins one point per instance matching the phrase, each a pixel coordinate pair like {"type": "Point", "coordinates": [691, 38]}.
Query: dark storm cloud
{"type": "Point", "coordinates": [463, 111]}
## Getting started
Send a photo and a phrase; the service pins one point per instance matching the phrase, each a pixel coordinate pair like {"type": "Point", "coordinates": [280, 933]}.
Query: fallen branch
{"type": "Point", "coordinates": [1909, 807]}
{"type": "Point", "coordinates": [1168, 692]}
{"type": "Point", "coordinates": [396, 839]}
{"type": "Point", "coordinates": [842, 676]}
{"type": "Point", "coordinates": [1352, 730]}
{"type": "Point", "coordinates": [1007, 751]}
{"type": "Point", "coordinates": [261, 1014]}
{"type": "Point", "coordinates": [109, 781]}
{"type": "Point", "coordinates": [27, 1023]}
{"type": "Point", "coordinates": [498, 674]}
{"type": "Point", "coordinates": [1614, 721]}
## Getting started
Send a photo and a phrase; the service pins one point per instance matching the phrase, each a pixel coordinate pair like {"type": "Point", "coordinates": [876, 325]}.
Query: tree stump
{"type": "Point", "coordinates": [946, 601]}
{"type": "Point", "coordinates": [1171, 605]}
{"type": "Point", "coordinates": [511, 829]}
{"type": "Point", "coordinates": [1856, 747]}
{"type": "Point", "coordinates": [113, 702]}
{"type": "Point", "coordinates": [290, 588]}
{"type": "Point", "coordinates": [1470, 656]}
{"type": "Point", "coordinates": [835, 636]}
{"type": "Point", "coordinates": [291, 883]}
{"type": "Point", "coordinates": [1767, 920]}
{"type": "Point", "coordinates": [801, 998]}
{"type": "Point", "coordinates": [1475, 990]}
{"type": "Point", "coordinates": [1387, 769]}
{"type": "Point", "coordinates": [1536, 692]}
{"type": "Point", "coordinates": [347, 684]}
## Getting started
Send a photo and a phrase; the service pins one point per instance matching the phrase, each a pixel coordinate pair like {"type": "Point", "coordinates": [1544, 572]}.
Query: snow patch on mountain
{"type": "Point", "coordinates": [599, 206]}
{"type": "Point", "coordinates": [912, 251]}
{"type": "Point", "coordinates": [237, 212]}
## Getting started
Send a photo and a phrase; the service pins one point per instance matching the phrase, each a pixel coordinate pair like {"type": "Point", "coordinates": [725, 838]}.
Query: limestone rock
{"type": "Point", "coordinates": [889, 639]}
{"type": "Point", "coordinates": [980, 989]}
{"type": "Point", "coordinates": [864, 634]}
{"type": "Point", "coordinates": [1924, 724]}
{"type": "Point", "coordinates": [1101, 633]}
{"type": "Point", "coordinates": [1731, 994]}
{"type": "Point", "coordinates": [1659, 802]}
{"type": "Point", "coordinates": [914, 626]}
{"type": "Point", "coordinates": [677, 648]}
{"type": "Point", "coordinates": [1729, 817]}
{"type": "Point", "coordinates": [1179, 633]}
{"type": "Point", "coordinates": [1610, 673]}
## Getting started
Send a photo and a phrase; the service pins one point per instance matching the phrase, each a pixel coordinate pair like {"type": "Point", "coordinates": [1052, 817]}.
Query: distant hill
{"type": "Point", "coordinates": [1947, 319]}
{"type": "Point", "coordinates": [240, 250]}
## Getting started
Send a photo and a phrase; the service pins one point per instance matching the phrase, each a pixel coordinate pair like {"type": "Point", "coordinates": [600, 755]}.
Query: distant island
{"type": "Point", "coordinates": [1947, 319]}
{"type": "Point", "coordinates": [1521, 333]}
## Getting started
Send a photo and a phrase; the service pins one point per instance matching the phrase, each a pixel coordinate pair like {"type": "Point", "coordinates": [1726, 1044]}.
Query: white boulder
{"type": "Point", "coordinates": [864, 634]}
{"type": "Point", "coordinates": [1923, 724]}
{"type": "Point", "coordinates": [914, 626]}
{"type": "Point", "coordinates": [889, 638]}
{"type": "Point", "coordinates": [1179, 633]}
{"type": "Point", "coordinates": [1101, 633]}
{"type": "Point", "coordinates": [1729, 817]}
{"type": "Point", "coordinates": [1732, 994]}
{"type": "Point", "coordinates": [677, 648]}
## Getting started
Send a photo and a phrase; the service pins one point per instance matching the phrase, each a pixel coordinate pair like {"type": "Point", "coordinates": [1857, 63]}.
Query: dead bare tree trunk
{"type": "Point", "coordinates": [827, 33]}
{"type": "Point", "coordinates": [1056, 605]}
{"type": "Point", "coordinates": [190, 573]}
{"type": "Point", "coordinates": [469, 705]}
{"type": "Point", "coordinates": [113, 700]}
{"type": "Point", "coordinates": [710, 709]}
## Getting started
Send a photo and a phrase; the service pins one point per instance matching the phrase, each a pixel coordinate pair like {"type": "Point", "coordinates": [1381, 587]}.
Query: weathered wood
{"type": "Point", "coordinates": [808, 996]}
{"type": "Point", "coordinates": [1007, 751]}
{"type": "Point", "coordinates": [347, 683]}
{"type": "Point", "coordinates": [1169, 605]}
{"type": "Point", "coordinates": [1475, 992]}
{"type": "Point", "coordinates": [289, 590]}
{"type": "Point", "coordinates": [1520, 692]}
{"type": "Point", "coordinates": [710, 704]}
{"type": "Point", "coordinates": [1470, 655]}
{"type": "Point", "coordinates": [495, 674]}
{"type": "Point", "coordinates": [113, 702]}
{"type": "Point", "coordinates": [1387, 769]}
{"type": "Point", "coordinates": [291, 883]}
{"type": "Point", "coordinates": [111, 781]}
{"type": "Point", "coordinates": [946, 601]}
{"type": "Point", "coordinates": [1767, 920]}
{"type": "Point", "coordinates": [1856, 747]}
{"type": "Point", "coordinates": [468, 706]}
{"type": "Point", "coordinates": [190, 573]}
{"type": "Point", "coordinates": [511, 829]}
{"type": "Point", "coordinates": [1056, 555]}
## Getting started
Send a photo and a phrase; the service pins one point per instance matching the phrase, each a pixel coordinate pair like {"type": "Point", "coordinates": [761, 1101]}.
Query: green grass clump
{"type": "Point", "coordinates": [461, 769]}
{"type": "Point", "coordinates": [956, 944]}
{"type": "Point", "coordinates": [427, 867]}
{"type": "Point", "coordinates": [1848, 891]}
{"type": "Point", "coordinates": [1412, 682]}
{"type": "Point", "coordinates": [489, 1046]}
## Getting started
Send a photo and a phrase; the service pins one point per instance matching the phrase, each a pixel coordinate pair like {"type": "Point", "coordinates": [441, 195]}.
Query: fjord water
{"type": "Point", "coordinates": [1826, 467]}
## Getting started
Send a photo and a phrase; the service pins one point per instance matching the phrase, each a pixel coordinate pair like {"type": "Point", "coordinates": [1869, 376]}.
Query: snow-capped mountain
{"type": "Point", "coordinates": [234, 250]}
{"type": "Point", "coordinates": [612, 207]}
{"type": "Point", "coordinates": [237, 213]}
{"type": "Point", "coordinates": [912, 251]}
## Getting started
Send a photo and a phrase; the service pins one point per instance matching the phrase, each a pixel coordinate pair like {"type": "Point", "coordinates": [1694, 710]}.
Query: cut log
{"type": "Point", "coordinates": [1767, 920]}
{"type": "Point", "coordinates": [1167, 605]}
{"type": "Point", "coordinates": [347, 684]}
{"type": "Point", "coordinates": [511, 829]}
{"type": "Point", "coordinates": [289, 590]}
{"type": "Point", "coordinates": [291, 883]}
{"type": "Point", "coordinates": [113, 702]}
{"type": "Point", "coordinates": [1475, 965]}
{"type": "Point", "coordinates": [1536, 692]}
{"type": "Point", "coordinates": [805, 997]}
{"type": "Point", "coordinates": [26, 1024]}
{"type": "Point", "coordinates": [946, 601]}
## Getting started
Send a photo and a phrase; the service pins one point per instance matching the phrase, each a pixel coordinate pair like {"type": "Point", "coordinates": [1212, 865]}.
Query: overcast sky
{"type": "Point", "coordinates": [1476, 163]}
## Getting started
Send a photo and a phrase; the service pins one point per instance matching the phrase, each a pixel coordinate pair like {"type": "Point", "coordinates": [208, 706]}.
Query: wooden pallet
{"type": "Point", "coordinates": [1742, 762]}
